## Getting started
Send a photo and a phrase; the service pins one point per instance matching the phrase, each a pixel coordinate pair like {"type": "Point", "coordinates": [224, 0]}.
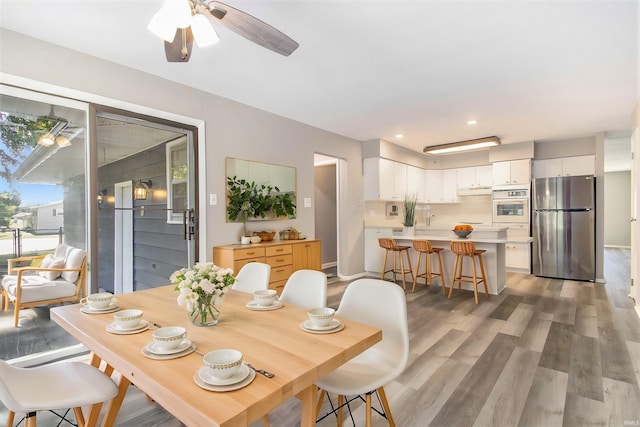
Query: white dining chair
{"type": "Point", "coordinates": [380, 304]}
{"type": "Point", "coordinates": [252, 277]}
{"type": "Point", "coordinates": [56, 386]}
{"type": "Point", "coordinates": [306, 288]}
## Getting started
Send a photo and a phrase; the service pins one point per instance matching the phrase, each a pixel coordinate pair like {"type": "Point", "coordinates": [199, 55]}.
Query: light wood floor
{"type": "Point", "coordinates": [543, 353]}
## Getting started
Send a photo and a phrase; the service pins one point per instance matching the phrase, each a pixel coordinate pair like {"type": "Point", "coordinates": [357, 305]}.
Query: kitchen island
{"type": "Point", "coordinates": [491, 239]}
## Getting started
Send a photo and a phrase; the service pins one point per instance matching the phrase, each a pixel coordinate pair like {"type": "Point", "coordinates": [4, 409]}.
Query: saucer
{"type": "Point", "coordinates": [243, 383]}
{"type": "Point", "coordinates": [89, 310]}
{"type": "Point", "coordinates": [151, 348]}
{"type": "Point", "coordinates": [155, 356]}
{"type": "Point", "coordinates": [241, 375]}
{"type": "Point", "coordinates": [332, 327]}
{"type": "Point", "coordinates": [252, 305]}
{"type": "Point", "coordinates": [142, 326]}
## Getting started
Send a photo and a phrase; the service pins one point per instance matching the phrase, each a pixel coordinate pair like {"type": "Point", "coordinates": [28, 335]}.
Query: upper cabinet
{"type": "Point", "coordinates": [565, 166]}
{"type": "Point", "coordinates": [384, 179]}
{"type": "Point", "coordinates": [475, 177]}
{"type": "Point", "coordinates": [416, 183]}
{"type": "Point", "coordinates": [512, 172]}
{"type": "Point", "coordinates": [440, 186]}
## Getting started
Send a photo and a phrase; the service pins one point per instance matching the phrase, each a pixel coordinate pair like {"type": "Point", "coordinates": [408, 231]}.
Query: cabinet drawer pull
{"type": "Point", "coordinates": [279, 259]}
{"type": "Point", "coordinates": [280, 270]}
{"type": "Point", "coordinates": [279, 250]}
{"type": "Point", "coordinates": [251, 253]}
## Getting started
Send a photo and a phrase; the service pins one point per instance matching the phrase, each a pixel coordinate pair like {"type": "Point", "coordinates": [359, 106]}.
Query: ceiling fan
{"type": "Point", "coordinates": [180, 22]}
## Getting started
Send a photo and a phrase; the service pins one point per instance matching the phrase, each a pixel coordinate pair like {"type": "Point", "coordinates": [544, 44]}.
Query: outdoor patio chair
{"type": "Point", "coordinates": [58, 279]}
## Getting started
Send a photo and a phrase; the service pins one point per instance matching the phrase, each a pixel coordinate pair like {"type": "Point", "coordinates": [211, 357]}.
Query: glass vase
{"type": "Point", "coordinates": [206, 312]}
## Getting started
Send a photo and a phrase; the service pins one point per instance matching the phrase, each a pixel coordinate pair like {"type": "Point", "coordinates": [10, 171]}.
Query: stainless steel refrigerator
{"type": "Point", "coordinates": [563, 225]}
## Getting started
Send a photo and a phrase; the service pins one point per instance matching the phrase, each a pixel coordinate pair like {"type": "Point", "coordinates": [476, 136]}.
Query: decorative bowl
{"type": "Point", "coordinates": [462, 233]}
{"type": "Point", "coordinates": [321, 316]}
{"type": "Point", "coordinates": [223, 363]}
{"type": "Point", "coordinates": [266, 236]}
{"type": "Point", "coordinates": [168, 337]}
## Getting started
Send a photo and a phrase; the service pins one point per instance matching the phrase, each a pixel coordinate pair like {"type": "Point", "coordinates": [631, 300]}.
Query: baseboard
{"type": "Point", "coordinates": [45, 357]}
{"type": "Point", "coordinates": [351, 277]}
{"type": "Point", "coordinates": [329, 265]}
{"type": "Point", "coordinates": [618, 246]}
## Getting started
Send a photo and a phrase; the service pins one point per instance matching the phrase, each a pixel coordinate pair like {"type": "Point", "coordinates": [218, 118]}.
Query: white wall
{"type": "Point", "coordinates": [232, 130]}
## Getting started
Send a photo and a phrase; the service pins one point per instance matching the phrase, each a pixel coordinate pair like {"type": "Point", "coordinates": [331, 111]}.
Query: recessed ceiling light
{"type": "Point", "coordinates": [399, 135]}
{"type": "Point", "coordinates": [472, 122]}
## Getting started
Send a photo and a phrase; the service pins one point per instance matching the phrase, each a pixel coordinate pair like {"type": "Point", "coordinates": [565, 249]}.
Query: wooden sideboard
{"type": "Point", "coordinates": [284, 257]}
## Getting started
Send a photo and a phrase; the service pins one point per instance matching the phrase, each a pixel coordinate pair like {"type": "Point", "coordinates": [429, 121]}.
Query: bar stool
{"type": "Point", "coordinates": [463, 249]}
{"type": "Point", "coordinates": [424, 247]}
{"type": "Point", "coordinates": [390, 245]}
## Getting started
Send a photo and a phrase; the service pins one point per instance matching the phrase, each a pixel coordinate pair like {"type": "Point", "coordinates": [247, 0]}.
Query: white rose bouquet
{"type": "Point", "coordinates": [202, 289]}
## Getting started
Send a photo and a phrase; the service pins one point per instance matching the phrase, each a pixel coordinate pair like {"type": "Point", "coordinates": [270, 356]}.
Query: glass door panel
{"type": "Point", "coordinates": [145, 175]}
{"type": "Point", "coordinates": [42, 174]}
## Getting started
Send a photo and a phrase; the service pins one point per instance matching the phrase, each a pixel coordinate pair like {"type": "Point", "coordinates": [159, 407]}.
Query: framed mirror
{"type": "Point", "coordinates": [259, 191]}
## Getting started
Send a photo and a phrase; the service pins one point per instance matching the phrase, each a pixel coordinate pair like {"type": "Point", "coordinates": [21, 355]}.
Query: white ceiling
{"type": "Point", "coordinates": [526, 70]}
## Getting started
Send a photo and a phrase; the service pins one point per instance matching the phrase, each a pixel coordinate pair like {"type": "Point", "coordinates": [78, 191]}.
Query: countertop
{"type": "Point", "coordinates": [504, 240]}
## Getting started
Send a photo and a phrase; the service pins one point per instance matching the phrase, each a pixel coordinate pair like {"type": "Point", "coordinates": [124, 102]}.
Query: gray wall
{"type": "Point", "coordinates": [617, 208]}
{"type": "Point", "coordinates": [232, 130]}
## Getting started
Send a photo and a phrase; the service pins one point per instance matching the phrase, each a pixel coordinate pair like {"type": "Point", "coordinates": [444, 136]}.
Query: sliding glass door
{"type": "Point", "coordinates": [146, 201]}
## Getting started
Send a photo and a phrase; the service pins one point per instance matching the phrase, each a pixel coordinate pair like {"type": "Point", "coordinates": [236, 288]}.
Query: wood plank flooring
{"type": "Point", "coordinates": [545, 352]}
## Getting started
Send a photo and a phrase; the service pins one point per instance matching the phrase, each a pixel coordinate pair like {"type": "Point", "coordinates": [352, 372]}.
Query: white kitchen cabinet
{"type": "Point", "coordinates": [433, 186]}
{"type": "Point", "coordinates": [517, 256]}
{"type": "Point", "coordinates": [512, 172]}
{"type": "Point", "coordinates": [449, 186]}
{"type": "Point", "coordinates": [565, 166]}
{"type": "Point", "coordinates": [416, 178]}
{"type": "Point", "coordinates": [384, 179]}
{"type": "Point", "coordinates": [441, 186]}
{"type": "Point", "coordinates": [373, 253]}
{"type": "Point", "coordinates": [475, 177]}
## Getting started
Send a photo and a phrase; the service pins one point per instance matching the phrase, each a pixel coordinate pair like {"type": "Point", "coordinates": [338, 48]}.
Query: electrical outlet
{"type": "Point", "coordinates": [307, 202]}
{"type": "Point", "coordinates": [213, 199]}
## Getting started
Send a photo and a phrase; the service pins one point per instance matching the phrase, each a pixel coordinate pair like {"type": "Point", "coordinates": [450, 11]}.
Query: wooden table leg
{"type": "Point", "coordinates": [308, 397]}
{"type": "Point", "coordinates": [114, 404]}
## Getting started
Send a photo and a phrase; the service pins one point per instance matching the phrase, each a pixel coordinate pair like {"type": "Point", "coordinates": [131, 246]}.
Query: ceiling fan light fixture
{"type": "Point", "coordinates": [454, 147]}
{"type": "Point", "coordinates": [46, 140]}
{"type": "Point", "coordinates": [203, 32]}
{"type": "Point", "coordinates": [161, 25]}
{"type": "Point", "coordinates": [179, 12]}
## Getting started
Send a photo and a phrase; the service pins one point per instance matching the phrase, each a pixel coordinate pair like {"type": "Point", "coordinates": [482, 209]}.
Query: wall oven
{"type": "Point", "coordinates": [511, 206]}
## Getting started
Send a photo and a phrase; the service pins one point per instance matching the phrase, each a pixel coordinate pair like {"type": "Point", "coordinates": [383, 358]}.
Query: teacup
{"type": "Point", "coordinates": [98, 301]}
{"type": "Point", "coordinates": [321, 316]}
{"type": "Point", "coordinates": [169, 337]}
{"type": "Point", "coordinates": [127, 319]}
{"type": "Point", "coordinates": [223, 363]}
{"type": "Point", "coordinates": [265, 297]}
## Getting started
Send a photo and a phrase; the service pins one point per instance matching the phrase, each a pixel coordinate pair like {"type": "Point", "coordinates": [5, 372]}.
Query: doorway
{"type": "Point", "coordinates": [147, 219]}
{"type": "Point", "coordinates": [326, 211]}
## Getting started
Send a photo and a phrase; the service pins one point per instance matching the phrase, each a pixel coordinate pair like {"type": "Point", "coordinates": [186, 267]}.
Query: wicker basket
{"type": "Point", "coordinates": [265, 236]}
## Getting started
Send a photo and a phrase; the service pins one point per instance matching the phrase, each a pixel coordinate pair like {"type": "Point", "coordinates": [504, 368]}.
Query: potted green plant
{"type": "Point", "coordinates": [410, 212]}
{"type": "Point", "coordinates": [249, 200]}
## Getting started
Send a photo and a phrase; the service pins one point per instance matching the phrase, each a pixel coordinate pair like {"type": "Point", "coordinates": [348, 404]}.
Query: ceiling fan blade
{"type": "Point", "coordinates": [252, 29]}
{"type": "Point", "coordinates": [180, 49]}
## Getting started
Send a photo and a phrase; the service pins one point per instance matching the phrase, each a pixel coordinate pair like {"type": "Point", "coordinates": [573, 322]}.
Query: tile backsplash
{"type": "Point", "coordinates": [470, 209]}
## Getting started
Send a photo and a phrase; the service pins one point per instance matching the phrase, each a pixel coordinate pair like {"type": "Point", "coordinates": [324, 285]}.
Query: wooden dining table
{"type": "Point", "coordinates": [270, 339]}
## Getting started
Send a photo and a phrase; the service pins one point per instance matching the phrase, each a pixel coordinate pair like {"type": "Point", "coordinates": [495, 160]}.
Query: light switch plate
{"type": "Point", "coordinates": [307, 202]}
{"type": "Point", "coordinates": [213, 199]}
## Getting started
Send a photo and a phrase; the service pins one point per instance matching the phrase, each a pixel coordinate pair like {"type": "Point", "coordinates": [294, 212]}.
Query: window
{"type": "Point", "coordinates": [177, 182]}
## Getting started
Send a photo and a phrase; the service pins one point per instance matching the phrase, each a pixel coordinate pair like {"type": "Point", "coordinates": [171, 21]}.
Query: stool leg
{"type": "Point", "coordinates": [442, 282]}
{"type": "Point", "coordinates": [384, 264]}
{"type": "Point", "coordinates": [453, 276]}
{"type": "Point", "coordinates": [409, 264]}
{"type": "Point", "coordinates": [404, 282]}
{"type": "Point", "coordinates": [484, 277]}
{"type": "Point", "coordinates": [475, 278]}
{"type": "Point", "coordinates": [417, 273]}
{"type": "Point", "coordinates": [429, 277]}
